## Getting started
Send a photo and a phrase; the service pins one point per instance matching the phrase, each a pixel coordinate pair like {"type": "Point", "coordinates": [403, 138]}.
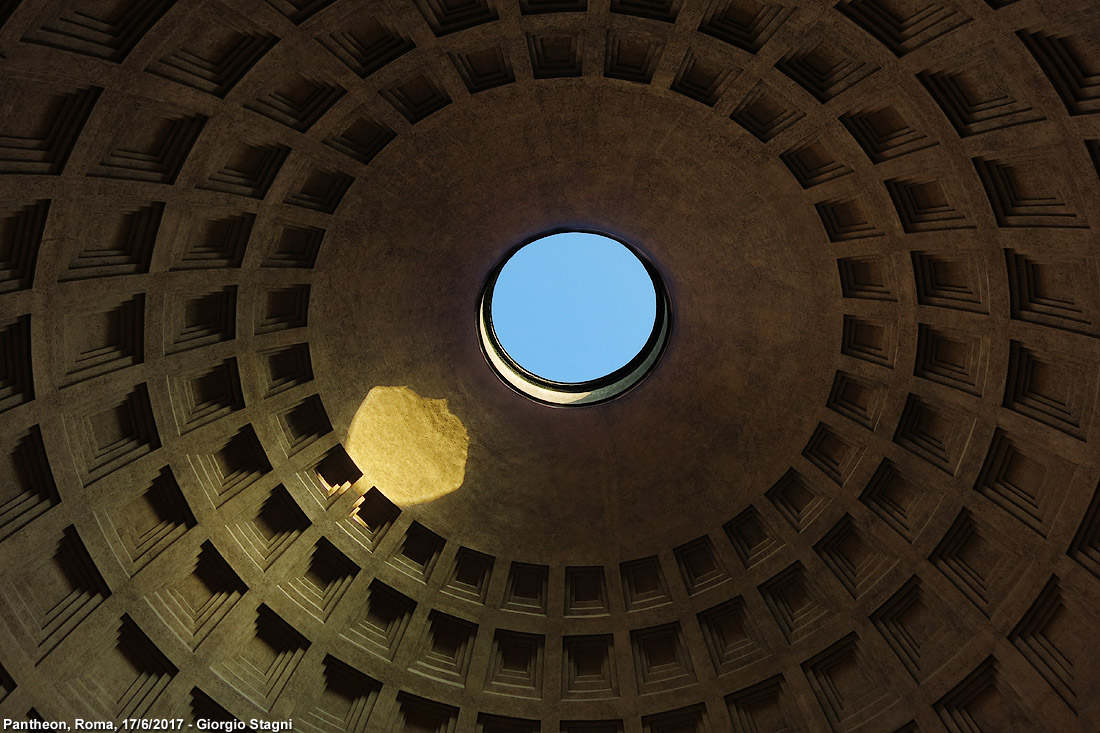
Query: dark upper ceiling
{"type": "Point", "coordinates": [255, 465]}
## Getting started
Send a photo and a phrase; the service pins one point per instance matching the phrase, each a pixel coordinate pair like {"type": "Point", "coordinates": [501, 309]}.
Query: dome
{"type": "Point", "coordinates": [256, 465]}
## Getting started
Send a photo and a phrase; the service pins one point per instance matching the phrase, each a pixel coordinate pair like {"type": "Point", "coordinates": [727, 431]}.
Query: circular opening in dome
{"type": "Point", "coordinates": [573, 318]}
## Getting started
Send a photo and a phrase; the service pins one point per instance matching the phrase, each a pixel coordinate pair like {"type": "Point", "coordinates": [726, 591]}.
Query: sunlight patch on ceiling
{"type": "Point", "coordinates": [411, 448]}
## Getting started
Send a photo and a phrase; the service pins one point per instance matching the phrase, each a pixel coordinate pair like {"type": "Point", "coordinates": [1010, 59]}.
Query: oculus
{"type": "Point", "coordinates": [573, 318]}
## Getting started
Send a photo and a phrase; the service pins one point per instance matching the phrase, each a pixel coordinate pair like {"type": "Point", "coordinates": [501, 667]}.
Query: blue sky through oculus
{"type": "Point", "coordinates": [573, 307]}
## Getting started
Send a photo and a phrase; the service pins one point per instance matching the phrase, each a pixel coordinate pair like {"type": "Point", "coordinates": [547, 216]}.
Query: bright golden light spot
{"type": "Point", "coordinates": [410, 447]}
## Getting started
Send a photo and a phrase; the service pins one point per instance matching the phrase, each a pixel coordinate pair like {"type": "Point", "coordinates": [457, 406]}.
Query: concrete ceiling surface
{"type": "Point", "coordinates": [254, 465]}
